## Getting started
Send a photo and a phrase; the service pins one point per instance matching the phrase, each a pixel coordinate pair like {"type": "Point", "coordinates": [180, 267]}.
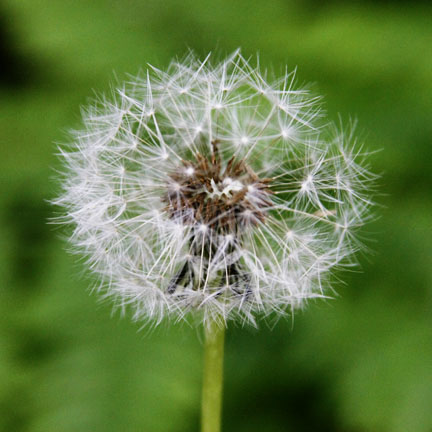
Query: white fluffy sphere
{"type": "Point", "coordinates": [208, 189]}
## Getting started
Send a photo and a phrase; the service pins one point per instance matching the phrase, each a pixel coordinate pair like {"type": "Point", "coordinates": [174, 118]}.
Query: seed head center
{"type": "Point", "coordinates": [224, 196]}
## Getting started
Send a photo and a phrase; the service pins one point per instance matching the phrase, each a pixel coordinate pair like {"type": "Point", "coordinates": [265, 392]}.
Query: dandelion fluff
{"type": "Point", "coordinates": [207, 189]}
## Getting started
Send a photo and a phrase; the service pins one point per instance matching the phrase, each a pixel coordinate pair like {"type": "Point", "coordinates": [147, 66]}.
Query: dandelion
{"type": "Point", "coordinates": [213, 192]}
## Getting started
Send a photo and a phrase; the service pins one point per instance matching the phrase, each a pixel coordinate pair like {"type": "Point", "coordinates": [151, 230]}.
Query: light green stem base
{"type": "Point", "coordinates": [211, 408]}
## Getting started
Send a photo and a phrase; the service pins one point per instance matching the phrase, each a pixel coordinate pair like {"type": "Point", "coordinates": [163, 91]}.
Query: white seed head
{"type": "Point", "coordinates": [209, 190]}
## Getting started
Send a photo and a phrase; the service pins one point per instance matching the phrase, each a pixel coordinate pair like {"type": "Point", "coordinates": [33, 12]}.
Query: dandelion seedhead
{"type": "Point", "coordinates": [208, 188]}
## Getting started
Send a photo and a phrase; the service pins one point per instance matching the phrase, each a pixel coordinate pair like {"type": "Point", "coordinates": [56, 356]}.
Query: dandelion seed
{"type": "Point", "coordinates": [209, 190]}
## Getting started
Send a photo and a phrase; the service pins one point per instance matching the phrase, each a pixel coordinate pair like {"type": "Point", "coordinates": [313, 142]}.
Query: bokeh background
{"type": "Point", "coordinates": [361, 362]}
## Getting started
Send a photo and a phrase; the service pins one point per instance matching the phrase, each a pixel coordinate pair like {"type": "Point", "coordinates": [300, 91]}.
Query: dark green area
{"type": "Point", "coordinates": [360, 362]}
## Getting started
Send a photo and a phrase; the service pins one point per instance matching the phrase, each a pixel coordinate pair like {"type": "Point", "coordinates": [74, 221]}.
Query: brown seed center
{"type": "Point", "coordinates": [225, 198]}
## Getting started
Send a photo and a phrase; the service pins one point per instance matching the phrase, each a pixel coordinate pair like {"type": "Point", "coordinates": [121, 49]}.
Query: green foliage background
{"type": "Point", "coordinates": [361, 362]}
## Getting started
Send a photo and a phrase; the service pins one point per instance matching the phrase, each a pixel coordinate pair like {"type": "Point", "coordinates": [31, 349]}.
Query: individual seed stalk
{"type": "Point", "coordinates": [212, 387]}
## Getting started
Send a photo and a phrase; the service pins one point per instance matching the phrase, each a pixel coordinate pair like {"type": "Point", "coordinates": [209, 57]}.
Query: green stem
{"type": "Point", "coordinates": [211, 408]}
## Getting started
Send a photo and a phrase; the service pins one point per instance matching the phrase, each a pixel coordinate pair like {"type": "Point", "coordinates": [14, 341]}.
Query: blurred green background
{"type": "Point", "coordinates": [361, 362]}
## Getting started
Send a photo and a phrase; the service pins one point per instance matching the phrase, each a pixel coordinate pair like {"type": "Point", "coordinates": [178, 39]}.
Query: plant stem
{"type": "Point", "coordinates": [211, 407]}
